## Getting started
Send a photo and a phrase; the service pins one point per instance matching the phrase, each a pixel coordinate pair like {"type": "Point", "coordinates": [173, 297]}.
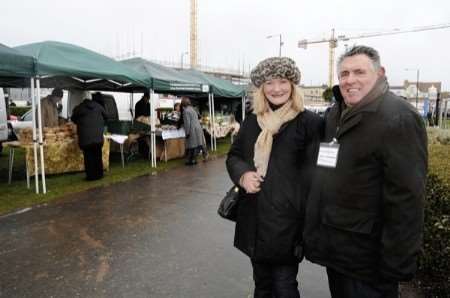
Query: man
{"type": "Point", "coordinates": [142, 107]}
{"type": "Point", "coordinates": [49, 108]}
{"type": "Point", "coordinates": [364, 215]}
{"type": "Point", "coordinates": [90, 117]}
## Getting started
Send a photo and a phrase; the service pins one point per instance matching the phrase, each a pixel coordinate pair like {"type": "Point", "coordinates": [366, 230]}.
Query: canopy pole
{"type": "Point", "coordinates": [243, 108]}
{"type": "Point", "coordinates": [214, 122]}
{"type": "Point", "coordinates": [33, 111]}
{"type": "Point", "coordinates": [210, 121]}
{"type": "Point", "coordinates": [41, 143]}
{"type": "Point", "coordinates": [153, 127]}
{"type": "Point", "coordinates": [131, 106]}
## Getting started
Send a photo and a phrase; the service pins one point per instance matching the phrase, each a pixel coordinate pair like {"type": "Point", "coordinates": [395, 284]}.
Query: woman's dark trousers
{"type": "Point", "coordinates": [275, 281]}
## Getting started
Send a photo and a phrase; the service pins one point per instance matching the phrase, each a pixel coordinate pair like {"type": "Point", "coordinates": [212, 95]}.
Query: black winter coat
{"type": "Point", "coordinates": [269, 224]}
{"type": "Point", "coordinates": [365, 217]}
{"type": "Point", "coordinates": [142, 108]}
{"type": "Point", "coordinates": [89, 116]}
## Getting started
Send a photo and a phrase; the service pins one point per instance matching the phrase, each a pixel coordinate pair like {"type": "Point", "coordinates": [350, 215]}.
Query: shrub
{"type": "Point", "coordinates": [433, 275]}
{"type": "Point", "coordinates": [18, 111]}
{"type": "Point", "coordinates": [434, 263]}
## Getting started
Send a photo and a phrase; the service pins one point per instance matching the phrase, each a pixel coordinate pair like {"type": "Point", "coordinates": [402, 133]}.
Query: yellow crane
{"type": "Point", "coordinates": [193, 35]}
{"type": "Point", "coordinates": [333, 42]}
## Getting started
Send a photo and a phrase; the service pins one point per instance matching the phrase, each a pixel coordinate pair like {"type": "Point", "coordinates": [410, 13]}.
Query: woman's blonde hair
{"type": "Point", "coordinates": [261, 103]}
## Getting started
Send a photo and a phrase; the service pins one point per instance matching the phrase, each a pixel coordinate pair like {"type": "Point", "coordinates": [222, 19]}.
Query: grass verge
{"type": "Point", "coordinates": [16, 196]}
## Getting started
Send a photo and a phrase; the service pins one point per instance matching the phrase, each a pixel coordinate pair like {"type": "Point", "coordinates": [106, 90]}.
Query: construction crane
{"type": "Point", "coordinates": [193, 35]}
{"type": "Point", "coordinates": [333, 42]}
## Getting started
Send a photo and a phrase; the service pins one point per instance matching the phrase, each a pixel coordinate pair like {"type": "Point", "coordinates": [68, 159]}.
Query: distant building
{"type": "Point", "coordinates": [313, 94]}
{"type": "Point", "coordinates": [426, 90]}
{"type": "Point", "coordinates": [398, 90]}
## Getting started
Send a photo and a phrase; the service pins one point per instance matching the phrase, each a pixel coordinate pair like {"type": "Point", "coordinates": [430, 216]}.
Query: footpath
{"type": "Point", "coordinates": [153, 236]}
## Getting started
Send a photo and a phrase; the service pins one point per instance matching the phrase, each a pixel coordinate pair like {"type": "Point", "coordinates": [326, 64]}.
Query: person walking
{"type": "Point", "coordinates": [193, 130]}
{"type": "Point", "coordinates": [90, 117]}
{"type": "Point", "coordinates": [364, 217]}
{"type": "Point", "coordinates": [271, 160]}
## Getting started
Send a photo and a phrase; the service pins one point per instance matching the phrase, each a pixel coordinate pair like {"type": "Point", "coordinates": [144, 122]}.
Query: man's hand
{"type": "Point", "coordinates": [251, 182]}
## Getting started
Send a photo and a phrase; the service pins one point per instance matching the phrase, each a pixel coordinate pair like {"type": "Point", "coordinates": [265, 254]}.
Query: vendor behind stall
{"type": "Point", "coordinates": [174, 117]}
{"type": "Point", "coordinates": [142, 107]}
{"type": "Point", "coordinates": [49, 108]}
{"type": "Point", "coordinates": [90, 117]}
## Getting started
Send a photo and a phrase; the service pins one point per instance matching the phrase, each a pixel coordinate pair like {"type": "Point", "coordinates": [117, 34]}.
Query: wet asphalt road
{"type": "Point", "coordinates": [154, 236]}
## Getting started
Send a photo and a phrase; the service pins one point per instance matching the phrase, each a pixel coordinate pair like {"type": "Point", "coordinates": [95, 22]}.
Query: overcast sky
{"type": "Point", "coordinates": [232, 33]}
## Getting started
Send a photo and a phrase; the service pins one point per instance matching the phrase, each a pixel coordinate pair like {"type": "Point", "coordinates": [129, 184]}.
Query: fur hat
{"type": "Point", "coordinates": [275, 68]}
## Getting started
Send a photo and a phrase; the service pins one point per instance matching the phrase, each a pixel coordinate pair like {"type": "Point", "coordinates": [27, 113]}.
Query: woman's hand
{"type": "Point", "coordinates": [251, 182]}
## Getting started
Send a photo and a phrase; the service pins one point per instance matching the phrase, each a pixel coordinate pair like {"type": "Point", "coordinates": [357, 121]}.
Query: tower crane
{"type": "Point", "coordinates": [193, 35]}
{"type": "Point", "coordinates": [333, 42]}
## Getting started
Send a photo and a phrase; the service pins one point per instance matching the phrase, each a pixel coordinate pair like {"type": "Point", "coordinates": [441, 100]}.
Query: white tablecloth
{"type": "Point", "coordinates": [173, 134]}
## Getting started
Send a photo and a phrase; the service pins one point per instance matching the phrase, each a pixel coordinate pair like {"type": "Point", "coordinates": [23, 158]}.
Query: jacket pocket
{"type": "Point", "coordinates": [350, 220]}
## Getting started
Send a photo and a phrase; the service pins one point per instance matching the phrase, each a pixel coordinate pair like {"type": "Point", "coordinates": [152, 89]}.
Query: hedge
{"type": "Point", "coordinates": [18, 111]}
{"type": "Point", "coordinates": [433, 275]}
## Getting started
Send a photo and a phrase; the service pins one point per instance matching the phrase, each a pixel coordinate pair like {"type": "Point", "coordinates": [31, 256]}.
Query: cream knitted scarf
{"type": "Point", "coordinates": [270, 122]}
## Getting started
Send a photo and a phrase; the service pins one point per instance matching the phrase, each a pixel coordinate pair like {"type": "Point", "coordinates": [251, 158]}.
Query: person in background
{"type": "Point", "coordinates": [142, 107]}
{"type": "Point", "coordinates": [90, 117]}
{"type": "Point", "coordinates": [272, 160]}
{"type": "Point", "coordinates": [174, 117]}
{"type": "Point", "coordinates": [364, 218]}
{"type": "Point", "coordinates": [49, 108]}
{"type": "Point", "coordinates": [194, 132]}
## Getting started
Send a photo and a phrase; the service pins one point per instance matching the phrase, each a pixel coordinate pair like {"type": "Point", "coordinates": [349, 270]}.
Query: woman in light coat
{"type": "Point", "coordinates": [194, 132]}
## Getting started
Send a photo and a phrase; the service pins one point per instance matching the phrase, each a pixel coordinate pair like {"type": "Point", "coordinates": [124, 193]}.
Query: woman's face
{"type": "Point", "coordinates": [277, 91]}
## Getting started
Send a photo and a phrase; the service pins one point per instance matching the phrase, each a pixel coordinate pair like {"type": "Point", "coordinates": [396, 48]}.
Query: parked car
{"type": "Point", "coordinates": [23, 122]}
{"type": "Point", "coordinates": [3, 120]}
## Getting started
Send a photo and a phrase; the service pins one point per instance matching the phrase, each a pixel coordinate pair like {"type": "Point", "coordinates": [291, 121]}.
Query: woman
{"type": "Point", "coordinates": [271, 160]}
{"type": "Point", "coordinates": [193, 130]}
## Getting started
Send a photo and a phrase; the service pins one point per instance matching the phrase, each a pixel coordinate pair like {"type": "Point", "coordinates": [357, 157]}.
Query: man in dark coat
{"type": "Point", "coordinates": [90, 116]}
{"type": "Point", "coordinates": [142, 107]}
{"type": "Point", "coordinates": [364, 217]}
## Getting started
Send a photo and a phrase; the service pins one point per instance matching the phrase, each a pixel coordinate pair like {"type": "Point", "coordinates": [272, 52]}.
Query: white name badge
{"type": "Point", "coordinates": [328, 154]}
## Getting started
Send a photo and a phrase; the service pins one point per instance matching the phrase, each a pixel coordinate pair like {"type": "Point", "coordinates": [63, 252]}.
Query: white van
{"type": "Point", "coordinates": [3, 117]}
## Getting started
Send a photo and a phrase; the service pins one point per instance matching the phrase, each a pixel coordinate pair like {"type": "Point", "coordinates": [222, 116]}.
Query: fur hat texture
{"type": "Point", "coordinates": [275, 68]}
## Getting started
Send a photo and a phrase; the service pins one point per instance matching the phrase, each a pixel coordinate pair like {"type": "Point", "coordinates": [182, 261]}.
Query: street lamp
{"type": "Point", "coordinates": [182, 56]}
{"type": "Point", "coordinates": [417, 83]}
{"type": "Point", "coordinates": [281, 42]}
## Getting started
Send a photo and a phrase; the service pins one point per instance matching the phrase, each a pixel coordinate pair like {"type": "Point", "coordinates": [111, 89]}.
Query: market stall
{"type": "Point", "coordinates": [165, 80]}
{"type": "Point", "coordinates": [219, 89]}
{"type": "Point", "coordinates": [64, 65]}
{"type": "Point", "coordinates": [61, 151]}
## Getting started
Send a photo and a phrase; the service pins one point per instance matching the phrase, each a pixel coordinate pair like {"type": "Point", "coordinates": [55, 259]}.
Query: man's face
{"type": "Point", "coordinates": [357, 76]}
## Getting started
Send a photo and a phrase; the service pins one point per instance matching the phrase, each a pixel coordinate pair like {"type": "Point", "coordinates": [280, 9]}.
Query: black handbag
{"type": "Point", "coordinates": [228, 205]}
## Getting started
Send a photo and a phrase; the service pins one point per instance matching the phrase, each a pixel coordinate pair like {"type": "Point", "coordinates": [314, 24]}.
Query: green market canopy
{"type": "Point", "coordinates": [165, 79]}
{"type": "Point", "coordinates": [15, 67]}
{"type": "Point", "coordinates": [69, 66]}
{"type": "Point", "coordinates": [218, 87]}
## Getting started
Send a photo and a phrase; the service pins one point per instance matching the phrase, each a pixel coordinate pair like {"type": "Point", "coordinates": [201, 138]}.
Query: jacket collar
{"type": "Point", "coordinates": [354, 116]}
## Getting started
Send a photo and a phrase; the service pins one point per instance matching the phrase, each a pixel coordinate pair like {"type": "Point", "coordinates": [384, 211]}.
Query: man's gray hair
{"type": "Point", "coordinates": [371, 53]}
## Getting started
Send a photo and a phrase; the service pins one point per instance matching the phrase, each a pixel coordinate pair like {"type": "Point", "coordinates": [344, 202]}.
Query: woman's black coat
{"type": "Point", "coordinates": [269, 224]}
